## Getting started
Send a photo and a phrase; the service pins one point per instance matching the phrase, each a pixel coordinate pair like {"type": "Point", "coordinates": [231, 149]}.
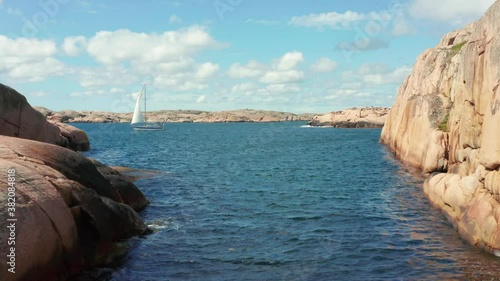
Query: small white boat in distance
{"type": "Point", "coordinates": [139, 122]}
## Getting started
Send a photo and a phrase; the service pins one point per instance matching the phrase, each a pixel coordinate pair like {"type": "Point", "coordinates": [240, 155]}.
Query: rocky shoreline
{"type": "Point", "coordinates": [446, 121]}
{"type": "Point", "coordinates": [72, 213]}
{"type": "Point", "coordinates": [364, 117]}
{"type": "Point", "coordinates": [177, 116]}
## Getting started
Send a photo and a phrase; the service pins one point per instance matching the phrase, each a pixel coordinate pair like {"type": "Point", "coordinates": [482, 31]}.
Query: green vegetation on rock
{"type": "Point", "coordinates": [456, 48]}
{"type": "Point", "coordinates": [443, 125]}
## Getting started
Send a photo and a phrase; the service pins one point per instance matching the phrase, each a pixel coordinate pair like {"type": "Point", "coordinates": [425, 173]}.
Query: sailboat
{"type": "Point", "coordinates": [139, 122]}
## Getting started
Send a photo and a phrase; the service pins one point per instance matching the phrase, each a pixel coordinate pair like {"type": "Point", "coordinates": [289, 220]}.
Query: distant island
{"type": "Point", "coordinates": [356, 117]}
{"type": "Point", "coordinates": [179, 116]}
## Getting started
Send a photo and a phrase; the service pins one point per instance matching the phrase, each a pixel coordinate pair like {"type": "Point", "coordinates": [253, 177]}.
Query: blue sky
{"type": "Point", "coordinates": [298, 56]}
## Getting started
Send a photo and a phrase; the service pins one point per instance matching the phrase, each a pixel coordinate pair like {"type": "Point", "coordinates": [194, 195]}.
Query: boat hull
{"type": "Point", "coordinates": [147, 127]}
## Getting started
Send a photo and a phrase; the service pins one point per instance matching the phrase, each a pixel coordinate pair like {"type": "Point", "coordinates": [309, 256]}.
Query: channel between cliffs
{"type": "Point", "coordinates": [446, 121]}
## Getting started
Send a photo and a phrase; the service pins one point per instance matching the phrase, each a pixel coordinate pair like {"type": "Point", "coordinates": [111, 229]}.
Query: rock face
{"type": "Point", "coordinates": [183, 116]}
{"type": "Point", "coordinates": [69, 213]}
{"type": "Point", "coordinates": [367, 117]}
{"type": "Point", "coordinates": [19, 119]}
{"type": "Point", "coordinates": [446, 120]}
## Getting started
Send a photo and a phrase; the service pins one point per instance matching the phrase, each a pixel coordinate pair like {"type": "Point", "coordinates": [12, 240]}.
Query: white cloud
{"type": "Point", "coordinates": [370, 84]}
{"type": "Point", "coordinates": [184, 75]}
{"type": "Point", "coordinates": [174, 19]}
{"type": "Point", "coordinates": [283, 88]}
{"type": "Point", "coordinates": [281, 70]}
{"type": "Point", "coordinates": [29, 60]}
{"type": "Point", "coordinates": [180, 65]}
{"type": "Point", "coordinates": [341, 92]}
{"type": "Point", "coordinates": [456, 11]}
{"type": "Point", "coordinates": [289, 61]}
{"type": "Point", "coordinates": [206, 70]}
{"type": "Point", "coordinates": [111, 47]}
{"type": "Point", "coordinates": [324, 65]}
{"type": "Point", "coordinates": [23, 49]}
{"type": "Point", "coordinates": [332, 19]}
{"type": "Point", "coordinates": [164, 60]}
{"type": "Point", "coordinates": [178, 84]}
{"type": "Point", "coordinates": [250, 70]}
{"type": "Point", "coordinates": [92, 77]}
{"type": "Point", "coordinates": [281, 77]}
{"type": "Point", "coordinates": [274, 83]}
{"type": "Point", "coordinates": [337, 20]}
{"type": "Point", "coordinates": [74, 45]}
{"type": "Point", "coordinates": [37, 70]}
{"type": "Point", "coordinates": [260, 94]}
{"type": "Point", "coordinates": [370, 75]}
{"type": "Point", "coordinates": [395, 76]}
{"type": "Point", "coordinates": [201, 99]}
{"type": "Point", "coordinates": [244, 88]}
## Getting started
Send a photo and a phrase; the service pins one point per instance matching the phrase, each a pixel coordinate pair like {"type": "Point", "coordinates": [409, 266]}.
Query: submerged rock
{"type": "Point", "coordinates": [446, 121]}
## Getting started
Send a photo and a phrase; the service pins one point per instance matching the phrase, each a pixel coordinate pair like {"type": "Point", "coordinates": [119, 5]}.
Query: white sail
{"type": "Point", "coordinates": [137, 117]}
{"type": "Point", "coordinates": [138, 120]}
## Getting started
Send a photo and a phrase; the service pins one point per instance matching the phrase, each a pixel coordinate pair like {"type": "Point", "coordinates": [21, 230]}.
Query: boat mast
{"type": "Point", "coordinates": [145, 109]}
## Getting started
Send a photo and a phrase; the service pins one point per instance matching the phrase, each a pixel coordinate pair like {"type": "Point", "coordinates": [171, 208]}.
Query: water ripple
{"type": "Point", "coordinates": [297, 204]}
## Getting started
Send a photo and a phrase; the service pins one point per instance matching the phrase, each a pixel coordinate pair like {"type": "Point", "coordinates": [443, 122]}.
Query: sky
{"type": "Point", "coordinates": [297, 56]}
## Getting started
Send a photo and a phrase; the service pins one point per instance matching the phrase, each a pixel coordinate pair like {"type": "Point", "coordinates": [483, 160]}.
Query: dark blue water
{"type": "Point", "coordinates": [281, 202]}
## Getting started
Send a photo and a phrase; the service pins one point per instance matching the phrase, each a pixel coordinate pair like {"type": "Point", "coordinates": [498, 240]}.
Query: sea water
{"type": "Point", "coordinates": [277, 201]}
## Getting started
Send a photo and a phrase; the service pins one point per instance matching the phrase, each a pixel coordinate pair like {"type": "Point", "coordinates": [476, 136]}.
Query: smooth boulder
{"type": "Point", "coordinates": [69, 214]}
{"type": "Point", "coordinates": [19, 119]}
